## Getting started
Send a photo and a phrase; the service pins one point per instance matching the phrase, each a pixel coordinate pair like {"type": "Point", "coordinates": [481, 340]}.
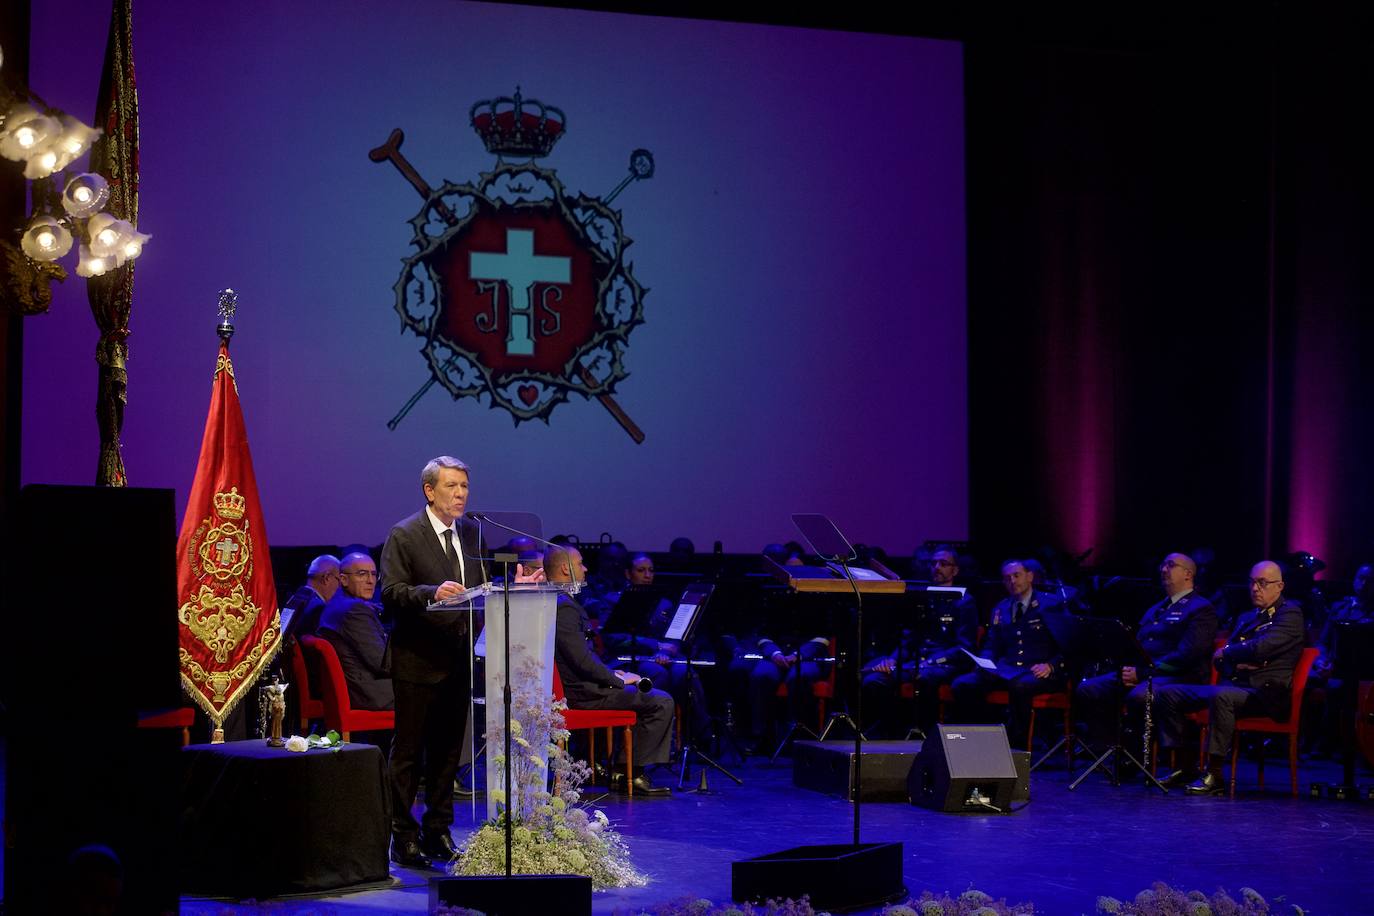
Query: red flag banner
{"type": "Point", "coordinates": [230, 626]}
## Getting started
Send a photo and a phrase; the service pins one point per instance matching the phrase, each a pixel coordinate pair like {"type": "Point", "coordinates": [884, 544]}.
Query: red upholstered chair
{"type": "Point", "coordinates": [311, 706]}
{"type": "Point", "coordinates": [823, 690]}
{"type": "Point", "coordinates": [592, 719]}
{"type": "Point", "coordinates": [1266, 725]}
{"type": "Point", "coordinates": [339, 713]}
{"type": "Point", "coordinates": [170, 718]}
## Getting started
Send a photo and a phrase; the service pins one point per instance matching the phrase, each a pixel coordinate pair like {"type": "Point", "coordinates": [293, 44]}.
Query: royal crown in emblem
{"type": "Point", "coordinates": [231, 504]}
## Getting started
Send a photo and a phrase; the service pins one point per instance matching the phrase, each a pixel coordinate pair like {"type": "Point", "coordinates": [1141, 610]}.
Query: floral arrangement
{"type": "Point", "coordinates": [970, 903]}
{"type": "Point", "coordinates": [1162, 900]}
{"type": "Point", "coordinates": [552, 832]}
{"type": "Point", "coordinates": [695, 906]}
{"type": "Point", "coordinates": [331, 740]}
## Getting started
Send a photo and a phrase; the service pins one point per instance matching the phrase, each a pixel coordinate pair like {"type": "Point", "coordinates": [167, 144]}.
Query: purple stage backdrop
{"type": "Point", "coordinates": [802, 243]}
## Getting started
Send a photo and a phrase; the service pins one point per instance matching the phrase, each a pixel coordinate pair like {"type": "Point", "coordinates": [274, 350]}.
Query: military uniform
{"type": "Point", "coordinates": [1177, 634]}
{"type": "Point", "coordinates": [1255, 676]}
{"type": "Point", "coordinates": [930, 656]}
{"type": "Point", "coordinates": [757, 679]}
{"type": "Point", "coordinates": [1018, 639]}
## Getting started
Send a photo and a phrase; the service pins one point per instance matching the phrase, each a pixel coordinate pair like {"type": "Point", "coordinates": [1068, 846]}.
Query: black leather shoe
{"type": "Point", "coordinates": [642, 786]}
{"type": "Point", "coordinates": [1207, 784]}
{"type": "Point", "coordinates": [1178, 779]}
{"type": "Point", "coordinates": [601, 776]}
{"type": "Point", "coordinates": [407, 853]}
{"type": "Point", "coordinates": [439, 846]}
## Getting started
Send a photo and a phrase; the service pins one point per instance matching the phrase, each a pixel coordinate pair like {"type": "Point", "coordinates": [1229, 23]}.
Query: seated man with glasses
{"type": "Point", "coordinates": [1255, 674]}
{"type": "Point", "coordinates": [352, 624]}
{"type": "Point", "coordinates": [1177, 634]}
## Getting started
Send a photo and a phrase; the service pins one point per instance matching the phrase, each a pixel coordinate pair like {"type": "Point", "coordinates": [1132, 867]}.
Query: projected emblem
{"type": "Point", "coordinates": [519, 291]}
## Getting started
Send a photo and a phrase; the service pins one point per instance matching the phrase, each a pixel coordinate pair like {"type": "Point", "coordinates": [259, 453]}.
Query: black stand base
{"type": "Point", "coordinates": [792, 733]}
{"type": "Point", "coordinates": [518, 895]}
{"type": "Point", "coordinates": [690, 753]}
{"type": "Point", "coordinates": [841, 718]}
{"type": "Point", "coordinates": [838, 877]}
{"type": "Point", "coordinates": [1115, 753]}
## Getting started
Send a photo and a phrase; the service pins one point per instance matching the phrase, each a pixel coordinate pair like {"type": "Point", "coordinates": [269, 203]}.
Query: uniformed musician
{"type": "Point", "coordinates": [1177, 634]}
{"type": "Point", "coordinates": [929, 655]}
{"type": "Point", "coordinates": [1255, 671]}
{"type": "Point", "coordinates": [1027, 659]}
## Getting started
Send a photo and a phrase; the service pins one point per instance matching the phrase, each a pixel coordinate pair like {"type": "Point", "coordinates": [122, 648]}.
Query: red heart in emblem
{"type": "Point", "coordinates": [528, 393]}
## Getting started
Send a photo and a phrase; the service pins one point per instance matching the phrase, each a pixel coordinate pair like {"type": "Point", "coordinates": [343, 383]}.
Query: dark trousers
{"type": "Point", "coordinates": [675, 679]}
{"type": "Point", "coordinates": [1224, 703]}
{"type": "Point", "coordinates": [428, 741]}
{"type": "Point", "coordinates": [652, 733]}
{"type": "Point", "coordinates": [758, 680]}
{"type": "Point", "coordinates": [882, 707]}
{"type": "Point", "coordinates": [1097, 702]}
{"type": "Point", "coordinates": [1022, 686]}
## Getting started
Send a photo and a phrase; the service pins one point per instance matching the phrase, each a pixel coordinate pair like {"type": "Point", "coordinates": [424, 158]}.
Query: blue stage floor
{"type": "Point", "coordinates": [1060, 852]}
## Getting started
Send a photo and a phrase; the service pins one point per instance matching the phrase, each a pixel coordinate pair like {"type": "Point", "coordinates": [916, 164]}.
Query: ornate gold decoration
{"type": "Point", "coordinates": [29, 281]}
{"type": "Point", "coordinates": [223, 551]}
{"type": "Point", "coordinates": [219, 621]}
{"type": "Point", "coordinates": [245, 673]}
{"type": "Point", "coordinates": [223, 364]}
{"type": "Point", "coordinates": [231, 504]}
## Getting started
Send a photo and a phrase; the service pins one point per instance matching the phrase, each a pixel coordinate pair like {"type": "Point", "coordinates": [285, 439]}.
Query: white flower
{"type": "Point", "coordinates": [296, 743]}
{"type": "Point", "coordinates": [601, 816]}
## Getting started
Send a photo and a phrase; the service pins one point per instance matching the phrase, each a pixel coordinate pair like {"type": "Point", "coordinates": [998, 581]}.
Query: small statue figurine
{"type": "Point", "coordinates": [276, 707]}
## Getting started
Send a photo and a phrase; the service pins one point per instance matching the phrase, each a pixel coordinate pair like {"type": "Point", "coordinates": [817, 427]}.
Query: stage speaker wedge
{"type": "Point", "coordinates": [964, 768]}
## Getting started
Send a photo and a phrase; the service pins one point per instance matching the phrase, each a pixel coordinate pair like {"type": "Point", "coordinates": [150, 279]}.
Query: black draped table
{"type": "Point", "coordinates": [258, 821]}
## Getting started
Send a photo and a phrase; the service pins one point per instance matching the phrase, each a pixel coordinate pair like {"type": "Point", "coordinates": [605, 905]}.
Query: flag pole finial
{"type": "Point", "coordinates": [228, 305]}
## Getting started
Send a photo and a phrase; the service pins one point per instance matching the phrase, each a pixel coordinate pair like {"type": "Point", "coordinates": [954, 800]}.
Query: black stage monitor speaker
{"type": "Point", "coordinates": [964, 768]}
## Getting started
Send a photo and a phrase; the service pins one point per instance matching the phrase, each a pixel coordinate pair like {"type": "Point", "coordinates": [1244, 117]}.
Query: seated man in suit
{"type": "Point", "coordinates": [1255, 670]}
{"type": "Point", "coordinates": [352, 624]}
{"type": "Point", "coordinates": [930, 654]}
{"type": "Point", "coordinates": [307, 604]}
{"type": "Point", "coordinates": [589, 684]}
{"type": "Point", "coordinates": [1177, 634]}
{"type": "Point", "coordinates": [1028, 660]}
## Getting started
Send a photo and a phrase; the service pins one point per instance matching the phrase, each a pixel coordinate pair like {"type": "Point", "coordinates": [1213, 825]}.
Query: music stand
{"type": "Point", "coordinates": [832, 546]}
{"type": "Point", "coordinates": [682, 627]}
{"type": "Point", "coordinates": [1111, 639]}
{"type": "Point", "coordinates": [632, 615]}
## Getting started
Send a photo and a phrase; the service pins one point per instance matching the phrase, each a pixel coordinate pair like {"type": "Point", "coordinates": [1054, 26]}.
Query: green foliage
{"type": "Point", "coordinates": [552, 833]}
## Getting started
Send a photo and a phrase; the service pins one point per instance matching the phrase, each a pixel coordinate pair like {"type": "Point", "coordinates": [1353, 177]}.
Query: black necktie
{"type": "Point", "coordinates": [452, 555]}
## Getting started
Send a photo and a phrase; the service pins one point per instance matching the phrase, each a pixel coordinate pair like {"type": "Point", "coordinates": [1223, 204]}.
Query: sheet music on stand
{"type": "Point", "coordinates": [688, 612]}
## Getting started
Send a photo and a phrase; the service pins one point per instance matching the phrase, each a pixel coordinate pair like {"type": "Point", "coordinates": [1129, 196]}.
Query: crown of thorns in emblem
{"type": "Point", "coordinates": [231, 504]}
{"type": "Point", "coordinates": [517, 126]}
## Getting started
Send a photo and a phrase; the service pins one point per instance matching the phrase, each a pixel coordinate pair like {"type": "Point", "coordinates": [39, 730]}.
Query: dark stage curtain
{"type": "Point", "coordinates": [1168, 294]}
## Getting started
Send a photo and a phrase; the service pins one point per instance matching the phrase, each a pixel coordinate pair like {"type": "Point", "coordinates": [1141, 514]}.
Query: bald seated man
{"type": "Point", "coordinates": [352, 624]}
{"type": "Point", "coordinates": [1177, 634]}
{"type": "Point", "coordinates": [307, 604]}
{"type": "Point", "coordinates": [1254, 678]}
{"type": "Point", "coordinates": [589, 684]}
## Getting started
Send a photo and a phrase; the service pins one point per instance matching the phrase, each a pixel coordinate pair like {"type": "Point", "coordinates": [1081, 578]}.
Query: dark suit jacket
{"type": "Point", "coordinates": [426, 646]}
{"type": "Point", "coordinates": [585, 678]}
{"type": "Point", "coordinates": [1272, 643]}
{"type": "Point", "coordinates": [1179, 639]}
{"type": "Point", "coordinates": [307, 606]}
{"type": "Point", "coordinates": [352, 626]}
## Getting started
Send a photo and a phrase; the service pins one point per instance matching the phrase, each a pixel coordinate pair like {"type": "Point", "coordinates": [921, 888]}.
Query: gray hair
{"type": "Point", "coordinates": [429, 477]}
{"type": "Point", "coordinates": [320, 565]}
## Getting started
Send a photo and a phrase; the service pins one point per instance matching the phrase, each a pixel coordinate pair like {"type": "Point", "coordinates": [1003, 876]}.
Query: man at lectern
{"type": "Point", "coordinates": [429, 557]}
{"type": "Point", "coordinates": [589, 684]}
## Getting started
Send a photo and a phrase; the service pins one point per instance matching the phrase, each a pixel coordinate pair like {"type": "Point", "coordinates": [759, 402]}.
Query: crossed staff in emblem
{"type": "Point", "coordinates": [641, 167]}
